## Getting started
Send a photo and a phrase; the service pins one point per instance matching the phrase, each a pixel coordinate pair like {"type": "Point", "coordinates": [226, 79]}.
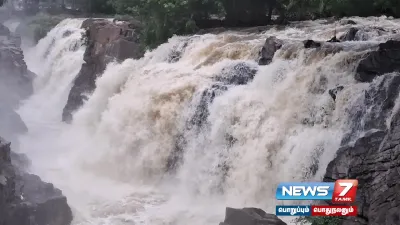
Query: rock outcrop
{"type": "Point", "coordinates": [385, 59]}
{"type": "Point", "coordinates": [311, 44]}
{"type": "Point", "coordinates": [25, 199]}
{"type": "Point", "coordinates": [11, 123]}
{"type": "Point", "coordinates": [370, 153]}
{"type": "Point", "coordinates": [236, 74]}
{"type": "Point", "coordinates": [16, 79]}
{"type": "Point", "coordinates": [271, 45]}
{"type": "Point", "coordinates": [15, 83]}
{"type": "Point", "coordinates": [106, 41]}
{"type": "Point", "coordinates": [239, 74]}
{"type": "Point", "coordinates": [250, 216]}
{"type": "Point", "coordinates": [350, 35]}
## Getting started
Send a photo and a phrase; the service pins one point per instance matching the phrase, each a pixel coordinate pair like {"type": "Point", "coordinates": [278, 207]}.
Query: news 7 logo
{"type": "Point", "coordinates": [341, 191]}
{"type": "Point", "coordinates": [345, 191]}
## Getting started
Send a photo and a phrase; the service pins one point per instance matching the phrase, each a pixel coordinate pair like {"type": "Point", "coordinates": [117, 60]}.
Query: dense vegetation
{"type": "Point", "coordinates": [163, 18]}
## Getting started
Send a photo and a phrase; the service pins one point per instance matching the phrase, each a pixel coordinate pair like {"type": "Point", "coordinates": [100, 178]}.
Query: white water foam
{"type": "Point", "coordinates": [111, 161]}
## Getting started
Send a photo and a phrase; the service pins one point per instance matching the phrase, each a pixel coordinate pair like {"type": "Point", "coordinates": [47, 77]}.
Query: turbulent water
{"type": "Point", "coordinates": [114, 161]}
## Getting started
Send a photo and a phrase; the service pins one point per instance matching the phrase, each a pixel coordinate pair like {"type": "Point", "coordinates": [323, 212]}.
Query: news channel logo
{"type": "Point", "coordinates": [341, 191]}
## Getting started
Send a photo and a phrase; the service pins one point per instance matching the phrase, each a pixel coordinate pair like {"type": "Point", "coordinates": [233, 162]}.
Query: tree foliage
{"type": "Point", "coordinates": [163, 18]}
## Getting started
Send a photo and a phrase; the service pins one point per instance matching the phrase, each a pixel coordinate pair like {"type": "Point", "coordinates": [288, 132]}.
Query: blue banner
{"type": "Point", "coordinates": [305, 191]}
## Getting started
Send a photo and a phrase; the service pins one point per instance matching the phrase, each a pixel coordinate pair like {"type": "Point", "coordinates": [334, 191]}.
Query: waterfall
{"type": "Point", "coordinates": [172, 139]}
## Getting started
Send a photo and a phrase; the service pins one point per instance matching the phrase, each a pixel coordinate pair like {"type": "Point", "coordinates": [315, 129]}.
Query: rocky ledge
{"type": "Point", "coordinates": [16, 79]}
{"type": "Point", "coordinates": [370, 151]}
{"type": "Point", "coordinates": [25, 199]}
{"type": "Point", "coordinates": [15, 84]}
{"type": "Point", "coordinates": [106, 41]}
{"type": "Point", "coordinates": [250, 216]}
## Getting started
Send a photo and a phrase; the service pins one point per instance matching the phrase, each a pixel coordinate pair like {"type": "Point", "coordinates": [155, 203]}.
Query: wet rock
{"type": "Point", "coordinates": [11, 124]}
{"type": "Point", "coordinates": [67, 33]}
{"type": "Point", "coordinates": [4, 31]}
{"type": "Point", "coordinates": [385, 59]}
{"type": "Point", "coordinates": [350, 35]}
{"type": "Point", "coordinates": [371, 109]}
{"type": "Point", "coordinates": [25, 199]}
{"type": "Point", "coordinates": [239, 74]}
{"type": "Point", "coordinates": [207, 97]}
{"type": "Point", "coordinates": [177, 51]}
{"type": "Point", "coordinates": [348, 22]}
{"type": "Point", "coordinates": [333, 92]}
{"type": "Point", "coordinates": [372, 155]}
{"type": "Point", "coordinates": [333, 39]}
{"type": "Point", "coordinates": [271, 45]}
{"type": "Point", "coordinates": [15, 78]}
{"type": "Point", "coordinates": [311, 44]}
{"type": "Point", "coordinates": [106, 41]}
{"type": "Point", "coordinates": [194, 124]}
{"type": "Point", "coordinates": [250, 216]}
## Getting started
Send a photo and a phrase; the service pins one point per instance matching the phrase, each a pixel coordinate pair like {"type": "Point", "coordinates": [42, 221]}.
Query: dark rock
{"type": "Point", "coordinates": [177, 52]}
{"type": "Point", "coordinates": [250, 216]}
{"type": "Point", "coordinates": [201, 114]}
{"type": "Point", "coordinates": [348, 22]}
{"type": "Point", "coordinates": [333, 92]}
{"type": "Point", "coordinates": [106, 42]}
{"type": "Point", "coordinates": [311, 44]}
{"type": "Point", "coordinates": [195, 123]}
{"type": "Point", "coordinates": [385, 59]}
{"type": "Point", "coordinates": [4, 31]}
{"type": "Point", "coordinates": [67, 33]}
{"type": "Point", "coordinates": [371, 108]}
{"type": "Point", "coordinates": [11, 124]}
{"type": "Point", "coordinates": [350, 35]}
{"type": "Point", "coordinates": [333, 39]}
{"type": "Point", "coordinates": [373, 157]}
{"type": "Point", "coordinates": [239, 74]}
{"type": "Point", "coordinates": [15, 78]}
{"type": "Point", "coordinates": [25, 199]}
{"type": "Point", "coordinates": [271, 45]}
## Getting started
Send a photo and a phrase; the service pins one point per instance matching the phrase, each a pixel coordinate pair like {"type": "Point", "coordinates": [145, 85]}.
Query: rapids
{"type": "Point", "coordinates": [111, 160]}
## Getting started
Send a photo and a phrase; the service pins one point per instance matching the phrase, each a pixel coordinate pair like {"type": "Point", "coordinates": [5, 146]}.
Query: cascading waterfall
{"type": "Point", "coordinates": [165, 140]}
{"type": "Point", "coordinates": [56, 59]}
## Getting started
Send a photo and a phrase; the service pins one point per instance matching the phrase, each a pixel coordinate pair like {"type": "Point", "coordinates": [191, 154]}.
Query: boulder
{"type": "Point", "coordinates": [250, 216]}
{"type": "Point", "coordinates": [238, 74]}
{"type": "Point", "coordinates": [347, 22]}
{"type": "Point", "coordinates": [385, 59]}
{"type": "Point", "coordinates": [333, 92]}
{"type": "Point", "coordinates": [25, 199]}
{"type": "Point", "coordinates": [333, 39]}
{"type": "Point", "coordinates": [106, 41]}
{"type": "Point", "coordinates": [311, 44]}
{"type": "Point", "coordinates": [271, 45]}
{"type": "Point", "coordinates": [371, 154]}
{"type": "Point", "coordinates": [350, 35]}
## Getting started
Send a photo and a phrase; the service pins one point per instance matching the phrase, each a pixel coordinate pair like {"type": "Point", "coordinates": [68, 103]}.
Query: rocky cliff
{"type": "Point", "coordinates": [24, 198]}
{"type": "Point", "coordinates": [15, 83]}
{"type": "Point", "coordinates": [370, 151]}
{"type": "Point", "coordinates": [106, 41]}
